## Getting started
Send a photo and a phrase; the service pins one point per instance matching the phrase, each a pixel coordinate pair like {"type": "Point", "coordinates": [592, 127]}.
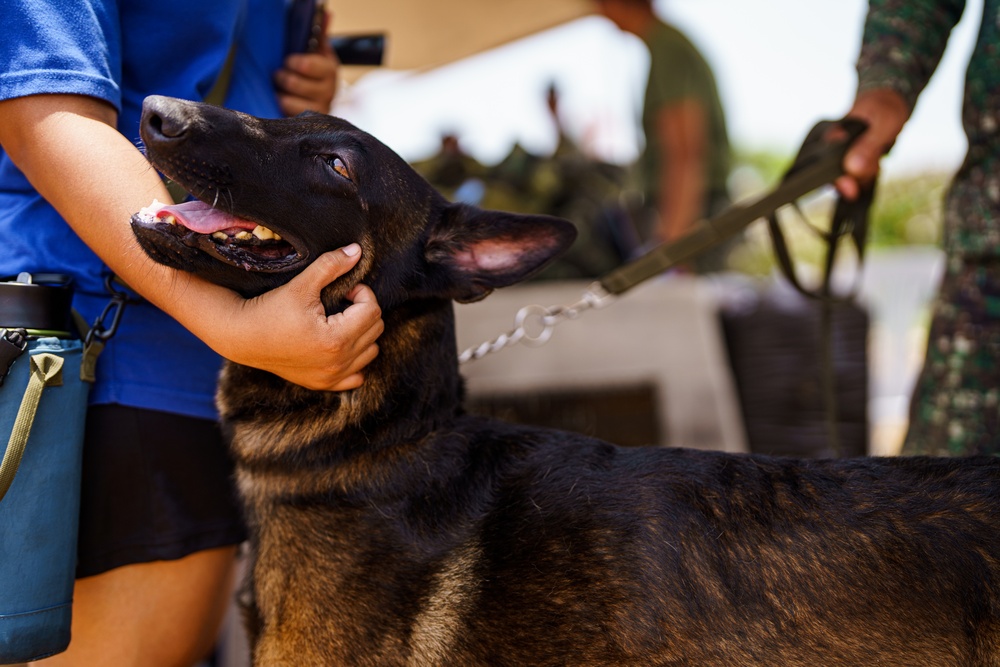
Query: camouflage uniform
{"type": "Point", "coordinates": [955, 403]}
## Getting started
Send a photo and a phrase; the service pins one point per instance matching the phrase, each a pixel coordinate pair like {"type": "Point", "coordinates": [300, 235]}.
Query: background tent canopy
{"type": "Point", "coordinates": [422, 34]}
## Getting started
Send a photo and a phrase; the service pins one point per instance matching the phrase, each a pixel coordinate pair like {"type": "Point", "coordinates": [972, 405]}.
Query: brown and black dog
{"type": "Point", "coordinates": [390, 528]}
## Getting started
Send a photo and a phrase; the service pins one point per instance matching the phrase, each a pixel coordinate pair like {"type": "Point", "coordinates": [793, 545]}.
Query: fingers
{"type": "Point", "coordinates": [357, 327]}
{"type": "Point", "coordinates": [361, 294]}
{"type": "Point", "coordinates": [861, 165]}
{"type": "Point", "coordinates": [352, 382]}
{"type": "Point", "coordinates": [352, 333]}
{"type": "Point", "coordinates": [885, 112]}
{"type": "Point", "coordinates": [318, 66]}
{"type": "Point", "coordinates": [848, 187]}
{"type": "Point", "coordinates": [354, 375]}
{"type": "Point", "coordinates": [861, 161]}
{"type": "Point", "coordinates": [361, 322]}
{"type": "Point", "coordinates": [307, 82]}
{"type": "Point", "coordinates": [325, 269]}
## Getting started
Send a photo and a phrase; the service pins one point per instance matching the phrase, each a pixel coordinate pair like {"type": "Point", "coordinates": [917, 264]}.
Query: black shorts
{"type": "Point", "coordinates": [156, 486]}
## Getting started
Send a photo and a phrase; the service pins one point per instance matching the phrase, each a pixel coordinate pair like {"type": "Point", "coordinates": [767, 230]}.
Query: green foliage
{"type": "Point", "coordinates": [908, 211]}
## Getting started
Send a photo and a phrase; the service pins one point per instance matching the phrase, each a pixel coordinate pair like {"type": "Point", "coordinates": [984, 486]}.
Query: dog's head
{"type": "Point", "coordinates": [272, 195]}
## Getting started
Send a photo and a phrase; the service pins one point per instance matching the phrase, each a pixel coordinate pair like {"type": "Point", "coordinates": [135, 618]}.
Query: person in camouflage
{"type": "Point", "coordinates": [955, 408]}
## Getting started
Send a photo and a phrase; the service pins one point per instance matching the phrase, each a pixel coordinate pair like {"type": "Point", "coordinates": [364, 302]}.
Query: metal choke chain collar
{"type": "Point", "coordinates": [533, 325]}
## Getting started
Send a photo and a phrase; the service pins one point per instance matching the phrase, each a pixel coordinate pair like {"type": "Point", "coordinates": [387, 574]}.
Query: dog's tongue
{"type": "Point", "coordinates": [202, 218]}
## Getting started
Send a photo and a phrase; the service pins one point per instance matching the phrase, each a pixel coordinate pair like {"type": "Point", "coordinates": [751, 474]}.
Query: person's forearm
{"type": "Point", "coordinates": [682, 193]}
{"type": "Point", "coordinates": [903, 43]}
{"type": "Point", "coordinates": [681, 186]}
{"type": "Point", "coordinates": [72, 154]}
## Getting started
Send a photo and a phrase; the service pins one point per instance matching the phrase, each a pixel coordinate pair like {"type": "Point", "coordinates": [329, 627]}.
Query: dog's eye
{"type": "Point", "coordinates": [338, 166]}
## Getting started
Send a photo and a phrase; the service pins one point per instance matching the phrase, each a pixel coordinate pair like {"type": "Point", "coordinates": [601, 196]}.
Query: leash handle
{"type": "Point", "coordinates": [818, 163]}
{"type": "Point", "coordinates": [849, 217]}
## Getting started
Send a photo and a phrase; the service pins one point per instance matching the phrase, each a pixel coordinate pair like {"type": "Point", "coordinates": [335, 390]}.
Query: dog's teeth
{"type": "Point", "coordinates": [263, 233]}
{"type": "Point", "coordinates": [170, 220]}
{"type": "Point", "coordinates": [149, 212]}
{"type": "Point", "coordinates": [221, 236]}
{"type": "Point", "coordinates": [244, 236]}
{"type": "Point", "coordinates": [277, 236]}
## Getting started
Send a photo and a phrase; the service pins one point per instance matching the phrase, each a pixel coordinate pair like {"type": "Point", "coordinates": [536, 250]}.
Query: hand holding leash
{"type": "Point", "coordinates": [885, 113]}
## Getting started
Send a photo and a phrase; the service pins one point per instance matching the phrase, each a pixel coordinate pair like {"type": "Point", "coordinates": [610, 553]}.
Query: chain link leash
{"type": "Point", "coordinates": [533, 325]}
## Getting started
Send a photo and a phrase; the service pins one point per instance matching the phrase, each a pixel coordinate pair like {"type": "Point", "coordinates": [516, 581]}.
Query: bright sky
{"type": "Point", "coordinates": [781, 66]}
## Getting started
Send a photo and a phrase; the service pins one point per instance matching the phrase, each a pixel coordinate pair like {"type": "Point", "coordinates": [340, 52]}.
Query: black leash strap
{"type": "Point", "coordinates": [850, 218]}
{"type": "Point", "coordinates": [817, 164]}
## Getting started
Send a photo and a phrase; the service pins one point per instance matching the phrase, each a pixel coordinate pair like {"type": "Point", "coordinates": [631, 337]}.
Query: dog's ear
{"type": "Point", "coordinates": [471, 252]}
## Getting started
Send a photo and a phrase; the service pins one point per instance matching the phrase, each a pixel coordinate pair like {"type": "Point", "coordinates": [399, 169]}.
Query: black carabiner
{"type": "Point", "coordinates": [98, 330]}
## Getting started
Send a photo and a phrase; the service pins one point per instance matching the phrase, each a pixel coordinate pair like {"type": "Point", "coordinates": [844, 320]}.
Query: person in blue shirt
{"type": "Point", "coordinates": [159, 526]}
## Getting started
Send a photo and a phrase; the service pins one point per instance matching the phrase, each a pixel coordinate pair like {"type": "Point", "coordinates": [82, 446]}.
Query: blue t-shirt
{"type": "Point", "coordinates": [122, 52]}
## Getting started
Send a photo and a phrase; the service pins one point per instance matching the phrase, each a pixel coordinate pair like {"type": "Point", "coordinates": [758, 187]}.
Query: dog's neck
{"type": "Point", "coordinates": [410, 389]}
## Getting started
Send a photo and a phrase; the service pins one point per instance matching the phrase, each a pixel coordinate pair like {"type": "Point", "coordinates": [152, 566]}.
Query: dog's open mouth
{"type": "Point", "coordinates": [233, 240]}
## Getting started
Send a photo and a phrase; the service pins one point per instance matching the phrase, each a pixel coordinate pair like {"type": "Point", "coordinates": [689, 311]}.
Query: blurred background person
{"type": "Point", "coordinates": [685, 164]}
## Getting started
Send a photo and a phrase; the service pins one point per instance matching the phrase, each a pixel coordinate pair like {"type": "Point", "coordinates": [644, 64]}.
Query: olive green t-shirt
{"type": "Point", "coordinates": [677, 72]}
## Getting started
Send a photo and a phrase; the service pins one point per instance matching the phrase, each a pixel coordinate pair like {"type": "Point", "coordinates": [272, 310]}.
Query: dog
{"type": "Point", "coordinates": [389, 527]}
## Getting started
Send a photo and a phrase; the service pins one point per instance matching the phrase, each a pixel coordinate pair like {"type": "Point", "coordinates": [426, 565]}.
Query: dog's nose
{"type": "Point", "coordinates": [166, 118]}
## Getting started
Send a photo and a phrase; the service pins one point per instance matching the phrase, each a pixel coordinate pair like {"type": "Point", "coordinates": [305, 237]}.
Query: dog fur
{"type": "Point", "coordinates": [391, 528]}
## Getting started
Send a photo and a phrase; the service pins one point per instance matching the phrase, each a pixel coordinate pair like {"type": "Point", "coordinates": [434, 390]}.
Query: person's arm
{"type": "Point", "coordinates": [683, 144]}
{"type": "Point", "coordinates": [69, 149]}
{"type": "Point", "coordinates": [901, 47]}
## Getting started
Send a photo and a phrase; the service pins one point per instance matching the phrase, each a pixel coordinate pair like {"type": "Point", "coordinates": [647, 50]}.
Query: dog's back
{"type": "Point", "coordinates": [528, 547]}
